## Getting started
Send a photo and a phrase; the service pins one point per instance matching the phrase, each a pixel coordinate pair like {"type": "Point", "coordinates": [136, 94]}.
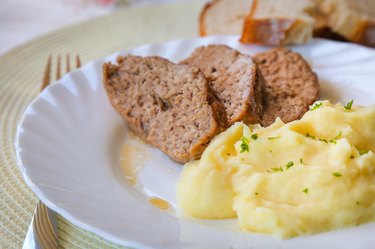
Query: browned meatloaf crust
{"type": "Point", "coordinates": [234, 79]}
{"type": "Point", "coordinates": [166, 104]}
{"type": "Point", "coordinates": [290, 85]}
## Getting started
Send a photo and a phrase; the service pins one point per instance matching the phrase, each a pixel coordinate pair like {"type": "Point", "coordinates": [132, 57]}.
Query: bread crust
{"type": "Point", "coordinates": [266, 31]}
{"type": "Point", "coordinates": [349, 22]}
{"type": "Point", "coordinates": [202, 17]}
{"type": "Point", "coordinates": [366, 35]}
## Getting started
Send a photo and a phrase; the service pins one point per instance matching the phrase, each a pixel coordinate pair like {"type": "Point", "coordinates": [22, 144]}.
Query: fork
{"type": "Point", "coordinates": [44, 222]}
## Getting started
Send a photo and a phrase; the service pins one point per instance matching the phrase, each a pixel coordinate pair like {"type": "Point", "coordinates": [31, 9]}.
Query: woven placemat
{"type": "Point", "coordinates": [20, 78]}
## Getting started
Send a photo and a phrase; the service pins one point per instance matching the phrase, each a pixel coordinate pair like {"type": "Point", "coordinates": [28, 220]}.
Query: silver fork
{"type": "Point", "coordinates": [42, 232]}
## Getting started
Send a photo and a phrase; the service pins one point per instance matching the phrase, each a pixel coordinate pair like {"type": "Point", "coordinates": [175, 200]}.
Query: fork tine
{"type": "Point", "coordinates": [78, 61]}
{"type": "Point", "coordinates": [67, 63]}
{"type": "Point", "coordinates": [58, 70]}
{"type": "Point", "coordinates": [47, 74]}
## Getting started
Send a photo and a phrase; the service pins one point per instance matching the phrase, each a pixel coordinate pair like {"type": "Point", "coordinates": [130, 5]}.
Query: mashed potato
{"type": "Point", "coordinates": [311, 175]}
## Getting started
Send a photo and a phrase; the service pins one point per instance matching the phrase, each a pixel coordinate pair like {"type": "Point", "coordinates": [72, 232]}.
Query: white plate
{"type": "Point", "coordinates": [68, 151]}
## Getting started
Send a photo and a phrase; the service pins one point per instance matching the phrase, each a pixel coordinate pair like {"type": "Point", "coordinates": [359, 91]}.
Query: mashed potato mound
{"type": "Point", "coordinates": [308, 176]}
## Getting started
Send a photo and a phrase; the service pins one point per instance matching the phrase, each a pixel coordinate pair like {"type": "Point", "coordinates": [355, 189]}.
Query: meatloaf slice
{"type": "Point", "coordinates": [234, 79]}
{"type": "Point", "coordinates": [290, 85]}
{"type": "Point", "coordinates": [165, 104]}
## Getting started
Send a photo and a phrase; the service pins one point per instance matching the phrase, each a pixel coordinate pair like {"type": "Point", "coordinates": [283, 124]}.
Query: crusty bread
{"type": "Point", "coordinates": [165, 104]}
{"type": "Point", "coordinates": [290, 85]}
{"type": "Point", "coordinates": [321, 21]}
{"type": "Point", "coordinates": [354, 20]}
{"type": "Point", "coordinates": [234, 79]}
{"type": "Point", "coordinates": [223, 17]}
{"type": "Point", "coordinates": [279, 22]}
{"type": "Point", "coordinates": [268, 22]}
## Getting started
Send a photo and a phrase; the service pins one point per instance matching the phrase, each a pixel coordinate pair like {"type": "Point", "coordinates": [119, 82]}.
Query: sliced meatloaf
{"type": "Point", "coordinates": [290, 85]}
{"type": "Point", "coordinates": [234, 79]}
{"type": "Point", "coordinates": [166, 104]}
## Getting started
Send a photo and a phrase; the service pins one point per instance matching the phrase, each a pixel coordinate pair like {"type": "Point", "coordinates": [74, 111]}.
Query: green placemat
{"type": "Point", "coordinates": [20, 77]}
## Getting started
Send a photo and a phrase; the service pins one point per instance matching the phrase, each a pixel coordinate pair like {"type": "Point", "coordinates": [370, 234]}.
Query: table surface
{"type": "Point", "coordinates": [23, 20]}
{"type": "Point", "coordinates": [20, 79]}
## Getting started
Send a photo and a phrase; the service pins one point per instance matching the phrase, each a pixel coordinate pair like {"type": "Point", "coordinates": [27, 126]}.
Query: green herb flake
{"type": "Point", "coordinates": [254, 136]}
{"type": "Point", "coordinates": [324, 140]}
{"type": "Point", "coordinates": [316, 106]}
{"type": "Point", "coordinates": [289, 164]}
{"type": "Point", "coordinates": [338, 136]}
{"type": "Point", "coordinates": [362, 152]}
{"type": "Point", "coordinates": [277, 169]}
{"type": "Point", "coordinates": [244, 145]}
{"type": "Point", "coordinates": [305, 190]}
{"type": "Point", "coordinates": [273, 138]}
{"type": "Point", "coordinates": [333, 141]}
{"type": "Point", "coordinates": [310, 136]}
{"type": "Point", "coordinates": [336, 174]}
{"type": "Point", "coordinates": [301, 161]}
{"type": "Point", "coordinates": [358, 203]}
{"type": "Point", "coordinates": [256, 193]}
{"type": "Point", "coordinates": [348, 106]}
{"type": "Point", "coordinates": [270, 151]}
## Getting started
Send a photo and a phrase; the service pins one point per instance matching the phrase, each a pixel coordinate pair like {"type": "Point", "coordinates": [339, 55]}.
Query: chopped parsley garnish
{"type": "Point", "coordinates": [244, 145]}
{"type": "Point", "coordinates": [256, 193]}
{"type": "Point", "coordinates": [338, 136]}
{"type": "Point", "coordinates": [273, 138]}
{"type": "Point", "coordinates": [333, 141]}
{"type": "Point", "coordinates": [277, 169]}
{"type": "Point", "coordinates": [310, 136]}
{"type": "Point", "coordinates": [289, 164]}
{"type": "Point", "coordinates": [305, 190]}
{"type": "Point", "coordinates": [362, 152]}
{"type": "Point", "coordinates": [357, 202]}
{"type": "Point", "coordinates": [254, 136]}
{"type": "Point", "coordinates": [270, 151]}
{"type": "Point", "coordinates": [314, 138]}
{"type": "Point", "coordinates": [301, 161]}
{"type": "Point", "coordinates": [316, 106]}
{"type": "Point", "coordinates": [336, 174]}
{"type": "Point", "coordinates": [324, 140]}
{"type": "Point", "coordinates": [348, 106]}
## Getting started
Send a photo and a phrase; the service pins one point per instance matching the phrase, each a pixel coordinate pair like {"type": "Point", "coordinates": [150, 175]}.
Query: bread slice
{"type": "Point", "coordinates": [223, 17]}
{"type": "Point", "coordinates": [267, 22]}
{"type": "Point", "coordinates": [354, 20]}
{"type": "Point", "coordinates": [279, 22]}
{"type": "Point", "coordinates": [290, 85]}
{"type": "Point", "coordinates": [166, 104]}
{"type": "Point", "coordinates": [321, 21]}
{"type": "Point", "coordinates": [234, 79]}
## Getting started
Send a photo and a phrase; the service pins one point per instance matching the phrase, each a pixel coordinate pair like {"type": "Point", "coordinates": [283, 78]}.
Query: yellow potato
{"type": "Point", "coordinates": [308, 176]}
